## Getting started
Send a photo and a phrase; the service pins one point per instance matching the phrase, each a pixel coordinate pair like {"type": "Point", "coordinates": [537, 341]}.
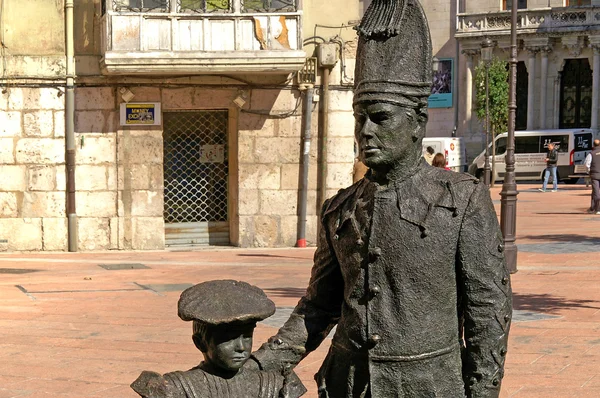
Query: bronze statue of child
{"type": "Point", "coordinates": [224, 314]}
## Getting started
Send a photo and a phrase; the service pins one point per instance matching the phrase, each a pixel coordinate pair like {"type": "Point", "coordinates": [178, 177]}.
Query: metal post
{"type": "Point", "coordinates": [303, 194]}
{"type": "Point", "coordinates": [486, 166]}
{"type": "Point", "coordinates": [322, 192]}
{"type": "Point", "coordinates": [508, 202]}
{"type": "Point", "coordinates": [70, 128]}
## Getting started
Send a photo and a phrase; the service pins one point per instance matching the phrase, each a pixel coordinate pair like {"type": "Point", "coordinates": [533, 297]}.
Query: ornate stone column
{"type": "Point", "coordinates": [531, 69]}
{"type": "Point", "coordinates": [544, 85]}
{"type": "Point", "coordinates": [595, 44]}
{"type": "Point", "coordinates": [469, 54]}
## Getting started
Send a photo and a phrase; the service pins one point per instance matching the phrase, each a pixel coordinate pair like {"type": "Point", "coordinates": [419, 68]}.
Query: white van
{"type": "Point", "coordinates": [531, 148]}
{"type": "Point", "coordinates": [452, 148]}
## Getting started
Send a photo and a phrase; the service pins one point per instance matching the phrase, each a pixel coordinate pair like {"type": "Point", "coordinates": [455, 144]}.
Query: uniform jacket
{"type": "Point", "coordinates": [595, 164]}
{"type": "Point", "coordinates": [414, 277]}
{"type": "Point", "coordinates": [196, 383]}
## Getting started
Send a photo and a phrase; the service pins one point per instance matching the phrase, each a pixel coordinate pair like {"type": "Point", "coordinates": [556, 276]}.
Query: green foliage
{"type": "Point", "coordinates": [498, 94]}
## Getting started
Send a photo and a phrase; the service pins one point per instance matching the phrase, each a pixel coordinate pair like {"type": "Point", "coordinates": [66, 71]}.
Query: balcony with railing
{"type": "Point", "coordinates": [161, 37]}
{"type": "Point", "coordinates": [530, 21]}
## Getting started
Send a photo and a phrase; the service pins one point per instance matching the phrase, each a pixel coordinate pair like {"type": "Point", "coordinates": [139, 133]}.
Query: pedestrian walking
{"type": "Point", "coordinates": [429, 154]}
{"type": "Point", "coordinates": [439, 161]}
{"type": "Point", "coordinates": [592, 162]}
{"type": "Point", "coordinates": [551, 160]}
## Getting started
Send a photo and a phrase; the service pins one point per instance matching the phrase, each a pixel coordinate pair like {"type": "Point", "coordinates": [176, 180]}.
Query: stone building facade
{"type": "Point", "coordinates": [558, 71]}
{"type": "Point", "coordinates": [193, 64]}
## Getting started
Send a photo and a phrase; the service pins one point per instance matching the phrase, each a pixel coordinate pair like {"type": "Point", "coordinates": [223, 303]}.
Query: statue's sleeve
{"type": "Point", "coordinates": [485, 298]}
{"type": "Point", "coordinates": [315, 314]}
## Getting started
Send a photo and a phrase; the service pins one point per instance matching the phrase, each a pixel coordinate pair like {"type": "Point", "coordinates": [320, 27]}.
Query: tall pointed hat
{"type": "Point", "coordinates": [394, 55]}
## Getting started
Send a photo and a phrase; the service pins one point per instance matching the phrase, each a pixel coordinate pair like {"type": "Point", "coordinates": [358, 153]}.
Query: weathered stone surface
{"type": "Point", "coordinates": [59, 124]}
{"type": "Point", "coordinates": [96, 204]}
{"type": "Point", "coordinates": [41, 178]}
{"type": "Point", "coordinates": [8, 205]}
{"type": "Point", "coordinates": [147, 203]}
{"type": "Point", "coordinates": [148, 233]}
{"type": "Point", "coordinates": [248, 202]}
{"type": "Point", "coordinates": [340, 101]}
{"type": "Point", "coordinates": [38, 124]}
{"type": "Point", "coordinates": [55, 234]}
{"type": "Point", "coordinates": [40, 98]}
{"type": "Point", "coordinates": [274, 100]}
{"type": "Point", "coordinates": [97, 148]}
{"type": "Point", "coordinates": [13, 178]}
{"type": "Point", "coordinates": [25, 233]}
{"type": "Point", "coordinates": [140, 149]}
{"type": "Point", "coordinates": [289, 230]}
{"type": "Point", "coordinates": [292, 127]}
{"type": "Point", "coordinates": [339, 175]}
{"type": "Point", "coordinates": [340, 150]}
{"type": "Point", "coordinates": [6, 150]}
{"type": "Point", "coordinates": [177, 98]}
{"type": "Point", "coordinates": [213, 98]}
{"type": "Point", "coordinates": [278, 202]}
{"type": "Point", "coordinates": [256, 125]}
{"type": "Point", "coordinates": [91, 178]}
{"type": "Point", "coordinates": [266, 231]}
{"type": "Point", "coordinates": [95, 121]}
{"type": "Point", "coordinates": [341, 124]}
{"type": "Point", "coordinates": [114, 225]}
{"type": "Point", "coordinates": [261, 176]}
{"type": "Point", "coordinates": [10, 124]}
{"type": "Point", "coordinates": [61, 178]}
{"type": "Point", "coordinates": [150, 94]}
{"type": "Point", "coordinates": [40, 151]}
{"type": "Point", "coordinates": [14, 99]}
{"type": "Point", "coordinates": [87, 98]}
{"type": "Point", "coordinates": [246, 149]}
{"type": "Point", "coordinates": [93, 233]}
{"type": "Point", "coordinates": [112, 176]}
{"type": "Point", "coordinates": [43, 204]}
{"type": "Point", "coordinates": [290, 174]}
{"type": "Point", "coordinates": [141, 177]}
{"type": "Point", "coordinates": [277, 150]}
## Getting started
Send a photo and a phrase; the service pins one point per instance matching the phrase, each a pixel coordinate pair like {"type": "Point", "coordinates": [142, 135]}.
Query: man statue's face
{"type": "Point", "coordinates": [229, 348]}
{"type": "Point", "coordinates": [384, 133]}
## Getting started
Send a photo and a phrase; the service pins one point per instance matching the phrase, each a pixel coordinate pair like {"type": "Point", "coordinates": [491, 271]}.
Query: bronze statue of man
{"type": "Point", "coordinates": [409, 263]}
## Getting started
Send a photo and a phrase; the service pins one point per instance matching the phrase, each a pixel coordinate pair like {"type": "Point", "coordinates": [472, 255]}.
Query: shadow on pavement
{"type": "Point", "coordinates": [568, 238]}
{"type": "Point", "coordinates": [549, 304]}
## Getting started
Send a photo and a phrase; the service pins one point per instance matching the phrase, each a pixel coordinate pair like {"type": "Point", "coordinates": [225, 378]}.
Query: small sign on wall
{"type": "Point", "coordinates": [140, 114]}
{"type": "Point", "coordinates": [212, 153]}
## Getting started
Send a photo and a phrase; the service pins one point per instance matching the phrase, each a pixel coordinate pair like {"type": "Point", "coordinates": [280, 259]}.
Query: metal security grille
{"type": "Point", "coordinates": [195, 173]}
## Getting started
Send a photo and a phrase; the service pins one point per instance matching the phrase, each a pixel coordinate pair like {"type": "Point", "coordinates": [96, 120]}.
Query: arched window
{"type": "Point", "coordinates": [576, 94]}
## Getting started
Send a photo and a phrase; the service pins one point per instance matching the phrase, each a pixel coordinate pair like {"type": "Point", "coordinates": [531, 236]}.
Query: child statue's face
{"type": "Point", "coordinates": [229, 347]}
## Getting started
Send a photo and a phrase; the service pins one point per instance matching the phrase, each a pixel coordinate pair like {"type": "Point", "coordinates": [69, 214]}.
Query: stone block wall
{"type": "Point", "coordinates": [270, 151]}
{"type": "Point", "coordinates": [32, 192]}
{"type": "Point", "coordinates": [119, 170]}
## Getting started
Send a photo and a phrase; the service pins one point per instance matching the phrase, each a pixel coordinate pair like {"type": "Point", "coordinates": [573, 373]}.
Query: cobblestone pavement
{"type": "Point", "coordinates": [86, 324]}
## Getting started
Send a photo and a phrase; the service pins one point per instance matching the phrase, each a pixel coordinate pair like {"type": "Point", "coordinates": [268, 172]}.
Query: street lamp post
{"type": "Point", "coordinates": [508, 202]}
{"type": "Point", "coordinates": [487, 48]}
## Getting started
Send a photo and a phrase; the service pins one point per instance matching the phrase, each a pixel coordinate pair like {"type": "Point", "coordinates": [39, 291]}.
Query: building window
{"type": "Point", "coordinates": [141, 5]}
{"type": "Point", "coordinates": [204, 5]}
{"type": "Point", "coordinates": [577, 3]}
{"type": "Point", "coordinates": [507, 4]}
{"type": "Point", "coordinates": [576, 94]}
{"type": "Point", "coordinates": [268, 5]}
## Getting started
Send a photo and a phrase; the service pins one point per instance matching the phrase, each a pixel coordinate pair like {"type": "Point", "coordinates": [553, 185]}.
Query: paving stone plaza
{"type": "Point", "coordinates": [86, 324]}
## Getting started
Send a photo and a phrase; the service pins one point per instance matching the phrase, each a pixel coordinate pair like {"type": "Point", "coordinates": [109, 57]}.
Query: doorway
{"type": "Point", "coordinates": [576, 94]}
{"type": "Point", "coordinates": [196, 172]}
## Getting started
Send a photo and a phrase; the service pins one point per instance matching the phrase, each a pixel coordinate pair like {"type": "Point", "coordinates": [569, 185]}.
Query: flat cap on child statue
{"type": "Point", "coordinates": [224, 314]}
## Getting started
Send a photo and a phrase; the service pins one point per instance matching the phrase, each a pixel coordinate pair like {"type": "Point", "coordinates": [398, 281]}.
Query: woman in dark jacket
{"type": "Point", "coordinates": [551, 161]}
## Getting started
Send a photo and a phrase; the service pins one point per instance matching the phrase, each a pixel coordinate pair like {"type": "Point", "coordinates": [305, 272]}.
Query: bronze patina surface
{"type": "Point", "coordinates": [410, 260]}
